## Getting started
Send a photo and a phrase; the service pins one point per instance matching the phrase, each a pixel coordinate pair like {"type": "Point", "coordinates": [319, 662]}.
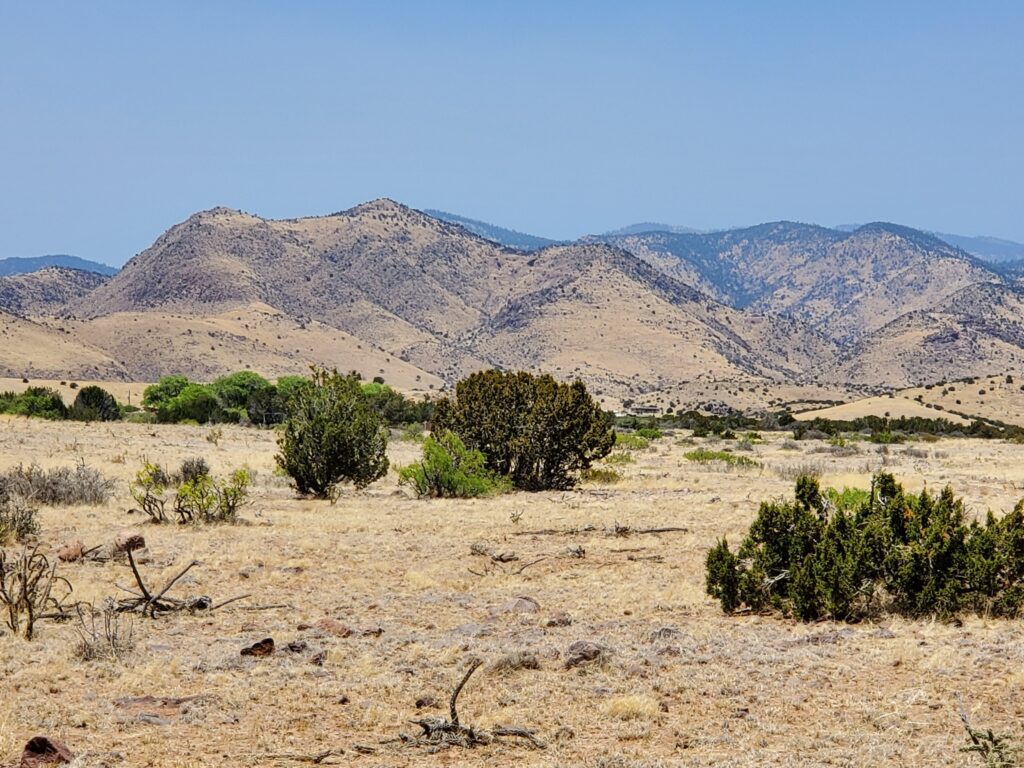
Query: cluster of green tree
{"type": "Point", "coordinates": [883, 429]}
{"type": "Point", "coordinates": [853, 555]}
{"type": "Point", "coordinates": [499, 430]}
{"type": "Point", "coordinates": [92, 403]}
{"type": "Point", "coordinates": [890, 429]}
{"type": "Point", "coordinates": [248, 398]}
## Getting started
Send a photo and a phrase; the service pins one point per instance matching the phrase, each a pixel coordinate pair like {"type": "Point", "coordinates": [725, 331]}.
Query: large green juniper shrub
{"type": "Point", "coordinates": [331, 435]}
{"type": "Point", "coordinates": [451, 470]}
{"type": "Point", "coordinates": [94, 403]}
{"type": "Point", "coordinates": [539, 433]}
{"type": "Point", "coordinates": [882, 551]}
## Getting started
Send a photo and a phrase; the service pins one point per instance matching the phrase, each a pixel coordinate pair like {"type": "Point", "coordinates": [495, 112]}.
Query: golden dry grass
{"type": "Point", "coordinates": [683, 684]}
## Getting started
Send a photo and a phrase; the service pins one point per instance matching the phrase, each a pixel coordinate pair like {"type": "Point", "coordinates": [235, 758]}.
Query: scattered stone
{"type": "Point", "coordinates": [426, 702]}
{"type": "Point", "coordinates": [473, 629]}
{"type": "Point", "coordinates": [42, 751]}
{"type": "Point", "coordinates": [318, 659]}
{"type": "Point", "coordinates": [334, 627]}
{"type": "Point", "coordinates": [152, 718]}
{"type": "Point", "coordinates": [884, 633]}
{"type": "Point", "coordinates": [584, 651]}
{"type": "Point", "coordinates": [263, 648]}
{"type": "Point", "coordinates": [560, 619]}
{"type": "Point", "coordinates": [128, 540]}
{"type": "Point", "coordinates": [516, 605]}
{"type": "Point", "coordinates": [664, 633]}
{"type": "Point", "coordinates": [71, 551]}
{"type": "Point", "coordinates": [824, 638]}
{"type": "Point", "coordinates": [297, 646]}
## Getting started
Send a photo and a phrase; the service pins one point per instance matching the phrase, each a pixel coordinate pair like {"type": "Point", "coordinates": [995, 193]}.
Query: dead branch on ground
{"type": "Point", "coordinates": [440, 733]}
{"type": "Point", "coordinates": [145, 601]}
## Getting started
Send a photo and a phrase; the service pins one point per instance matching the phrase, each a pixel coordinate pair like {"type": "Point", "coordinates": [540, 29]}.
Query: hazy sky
{"type": "Point", "coordinates": [119, 119]}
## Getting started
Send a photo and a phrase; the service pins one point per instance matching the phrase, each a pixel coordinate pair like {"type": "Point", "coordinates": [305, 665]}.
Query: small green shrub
{"type": "Point", "coordinates": [451, 470]}
{"type": "Point", "coordinates": [38, 402]}
{"type": "Point", "coordinates": [601, 476]}
{"type": "Point", "coordinates": [208, 500]}
{"type": "Point", "coordinates": [849, 555]}
{"type": "Point", "coordinates": [618, 458]}
{"type": "Point", "coordinates": [149, 489]}
{"type": "Point", "coordinates": [706, 456]}
{"type": "Point", "coordinates": [649, 433]}
{"type": "Point", "coordinates": [631, 442]}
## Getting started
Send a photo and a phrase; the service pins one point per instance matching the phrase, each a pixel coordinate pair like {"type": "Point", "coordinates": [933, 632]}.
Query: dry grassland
{"type": "Point", "coordinates": [682, 684]}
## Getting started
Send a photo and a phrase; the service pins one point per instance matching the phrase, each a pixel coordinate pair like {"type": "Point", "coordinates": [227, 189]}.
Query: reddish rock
{"type": "Point", "coordinates": [334, 627]}
{"type": "Point", "coordinates": [42, 751]}
{"type": "Point", "coordinates": [584, 651]}
{"type": "Point", "coordinates": [71, 551]}
{"type": "Point", "coordinates": [129, 540]}
{"type": "Point", "coordinates": [263, 648]}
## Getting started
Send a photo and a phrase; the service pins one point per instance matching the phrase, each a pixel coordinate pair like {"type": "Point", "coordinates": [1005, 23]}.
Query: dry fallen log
{"type": "Point", "coordinates": [615, 530]}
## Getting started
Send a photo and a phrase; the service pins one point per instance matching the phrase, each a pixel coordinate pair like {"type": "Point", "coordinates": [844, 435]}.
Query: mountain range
{"type": "Point", "coordinates": [750, 317]}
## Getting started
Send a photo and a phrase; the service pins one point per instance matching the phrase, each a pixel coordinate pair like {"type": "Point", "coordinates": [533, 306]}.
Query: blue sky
{"type": "Point", "coordinates": [119, 119]}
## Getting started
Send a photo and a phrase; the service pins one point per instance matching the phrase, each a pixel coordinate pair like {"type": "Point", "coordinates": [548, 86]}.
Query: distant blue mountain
{"type": "Point", "coordinates": [507, 237]}
{"type": "Point", "coordinates": [986, 248]}
{"type": "Point", "coordinates": [19, 265]}
{"type": "Point", "coordinates": [651, 226]}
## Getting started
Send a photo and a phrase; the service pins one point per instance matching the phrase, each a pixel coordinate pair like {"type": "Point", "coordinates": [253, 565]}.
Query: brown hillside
{"type": "Point", "coordinates": [433, 295]}
{"type": "Point", "coordinates": [46, 291]}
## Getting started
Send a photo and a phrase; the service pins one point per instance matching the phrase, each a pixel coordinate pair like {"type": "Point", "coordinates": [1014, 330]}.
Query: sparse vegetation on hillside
{"type": "Point", "coordinates": [539, 433]}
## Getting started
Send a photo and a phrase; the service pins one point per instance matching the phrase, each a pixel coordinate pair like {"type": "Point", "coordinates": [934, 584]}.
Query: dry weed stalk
{"type": "Point", "coordinates": [27, 591]}
{"type": "Point", "coordinates": [109, 638]}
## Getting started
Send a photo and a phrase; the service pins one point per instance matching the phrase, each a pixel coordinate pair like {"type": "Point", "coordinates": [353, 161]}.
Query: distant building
{"type": "Point", "coordinates": [645, 410]}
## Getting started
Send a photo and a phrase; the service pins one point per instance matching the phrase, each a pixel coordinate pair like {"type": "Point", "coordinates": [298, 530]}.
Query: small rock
{"type": "Point", "coordinates": [560, 619]}
{"type": "Point", "coordinates": [473, 629]}
{"type": "Point", "coordinates": [664, 633]}
{"type": "Point", "coordinates": [152, 718]}
{"type": "Point", "coordinates": [318, 660]}
{"type": "Point", "coordinates": [42, 751]}
{"type": "Point", "coordinates": [297, 646]}
{"type": "Point", "coordinates": [129, 540]}
{"type": "Point", "coordinates": [426, 702]}
{"type": "Point", "coordinates": [516, 605]}
{"type": "Point", "coordinates": [334, 627]}
{"type": "Point", "coordinates": [582, 652]}
{"type": "Point", "coordinates": [263, 648]}
{"type": "Point", "coordinates": [71, 551]}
